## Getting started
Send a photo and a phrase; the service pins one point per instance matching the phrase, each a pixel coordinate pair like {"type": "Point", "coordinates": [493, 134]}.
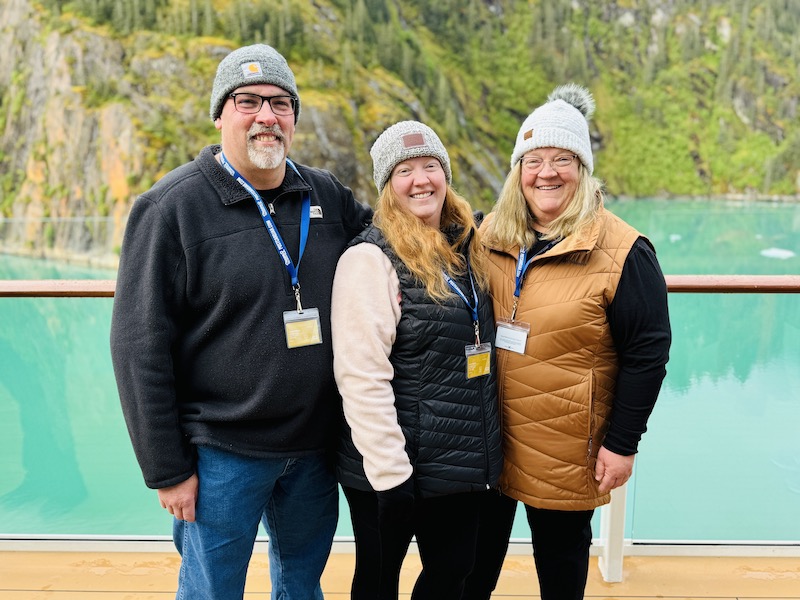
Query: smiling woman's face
{"type": "Point", "coordinates": [420, 185]}
{"type": "Point", "coordinates": [549, 191]}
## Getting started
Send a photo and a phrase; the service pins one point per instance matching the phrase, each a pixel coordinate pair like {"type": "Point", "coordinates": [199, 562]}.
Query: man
{"type": "Point", "coordinates": [223, 361]}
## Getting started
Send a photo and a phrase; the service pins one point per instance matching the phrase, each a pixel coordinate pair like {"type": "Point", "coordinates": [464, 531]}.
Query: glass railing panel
{"type": "Point", "coordinates": [65, 460]}
{"type": "Point", "coordinates": [721, 441]}
{"type": "Point", "coordinates": [719, 462]}
{"type": "Point", "coordinates": [66, 463]}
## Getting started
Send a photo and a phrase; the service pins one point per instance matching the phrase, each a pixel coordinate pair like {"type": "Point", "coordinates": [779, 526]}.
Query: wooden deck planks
{"type": "Point", "coordinates": [152, 576]}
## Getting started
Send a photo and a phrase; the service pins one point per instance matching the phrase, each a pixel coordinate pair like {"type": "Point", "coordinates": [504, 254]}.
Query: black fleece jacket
{"type": "Point", "coordinates": [197, 335]}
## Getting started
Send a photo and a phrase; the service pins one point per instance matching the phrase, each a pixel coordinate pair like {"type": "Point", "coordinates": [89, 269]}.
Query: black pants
{"type": "Point", "coordinates": [446, 528]}
{"type": "Point", "coordinates": [561, 541]}
{"type": "Point", "coordinates": [494, 529]}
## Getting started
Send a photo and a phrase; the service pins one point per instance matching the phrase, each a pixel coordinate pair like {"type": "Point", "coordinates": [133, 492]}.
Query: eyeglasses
{"type": "Point", "coordinates": [534, 164]}
{"type": "Point", "coordinates": [250, 104]}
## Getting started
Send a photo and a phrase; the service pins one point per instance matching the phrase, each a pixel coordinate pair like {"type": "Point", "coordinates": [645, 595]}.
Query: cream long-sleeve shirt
{"type": "Point", "coordinates": [365, 312]}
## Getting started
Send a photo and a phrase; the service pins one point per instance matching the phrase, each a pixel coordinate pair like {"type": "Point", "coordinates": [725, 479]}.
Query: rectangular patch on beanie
{"type": "Point", "coordinates": [251, 69]}
{"type": "Point", "coordinates": [528, 134]}
{"type": "Point", "coordinates": [413, 140]}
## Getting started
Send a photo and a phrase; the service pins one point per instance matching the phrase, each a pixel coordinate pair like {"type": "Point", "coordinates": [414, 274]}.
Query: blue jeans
{"type": "Point", "coordinates": [297, 500]}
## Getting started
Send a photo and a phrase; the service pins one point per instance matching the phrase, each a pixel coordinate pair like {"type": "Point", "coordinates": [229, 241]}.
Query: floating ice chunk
{"type": "Point", "coordinates": [777, 253]}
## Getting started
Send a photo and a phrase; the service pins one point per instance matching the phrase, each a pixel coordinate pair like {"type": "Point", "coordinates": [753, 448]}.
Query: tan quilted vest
{"type": "Point", "coordinates": [556, 398]}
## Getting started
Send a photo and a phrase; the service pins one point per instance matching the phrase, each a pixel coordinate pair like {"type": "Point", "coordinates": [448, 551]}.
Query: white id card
{"type": "Point", "coordinates": [479, 360]}
{"type": "Point", "coordinates": [512, 335]}
{"type": "Point", "coordinates": [302, 328]}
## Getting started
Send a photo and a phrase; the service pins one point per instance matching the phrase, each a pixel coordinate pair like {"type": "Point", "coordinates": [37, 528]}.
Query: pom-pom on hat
{"type": "Point", "coordinates": [401, 141]}
{"type": "Point", "coordinates": [251, 65]}
{"type": "Point", "coordinates": [563, 122]}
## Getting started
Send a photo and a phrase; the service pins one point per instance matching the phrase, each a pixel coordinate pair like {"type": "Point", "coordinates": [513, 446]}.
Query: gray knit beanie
{"type": "Point", "coordinates": [251, 65]}
{"type": "Point", "coordinates": [404, 140]}
{"type": "Point", "coordinates": [560, 123]}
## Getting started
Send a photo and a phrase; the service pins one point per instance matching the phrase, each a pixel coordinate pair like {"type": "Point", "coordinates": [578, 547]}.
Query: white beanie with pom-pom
{"type": "Point", "coordinates": [563, 122]}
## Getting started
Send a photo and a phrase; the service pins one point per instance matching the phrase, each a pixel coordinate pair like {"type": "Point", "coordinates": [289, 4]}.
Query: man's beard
{"type": "Point", "coordinates": [266, 157]}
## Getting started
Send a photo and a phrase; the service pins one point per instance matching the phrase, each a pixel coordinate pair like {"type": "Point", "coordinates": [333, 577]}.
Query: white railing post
{"type": "Point", "coordinates": [612, 533]}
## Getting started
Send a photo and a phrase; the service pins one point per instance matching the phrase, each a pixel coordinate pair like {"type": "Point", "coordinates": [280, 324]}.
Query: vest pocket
{"type": "Point", "coordinates": [500, 382]}
{"type": "Point", "coordinates": [591, 449]}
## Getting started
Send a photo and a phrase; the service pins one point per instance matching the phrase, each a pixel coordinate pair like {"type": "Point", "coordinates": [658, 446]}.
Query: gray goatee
{"type": "Point", "coordinates": [266, 158]}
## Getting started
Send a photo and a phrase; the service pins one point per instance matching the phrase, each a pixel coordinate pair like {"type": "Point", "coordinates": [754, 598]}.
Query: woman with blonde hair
{"type": "Point", "coordinates": [413, 339]}
{"type": "Point", "coordinates": [583, 338]}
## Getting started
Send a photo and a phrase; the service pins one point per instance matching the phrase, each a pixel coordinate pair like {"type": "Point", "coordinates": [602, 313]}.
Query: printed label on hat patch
{"type": "Point", "coordinates": [528, 134]}
{"type": "Point", "coordinates": [251, 69]}
{"type": "Point", "coordinates": [413, 140]}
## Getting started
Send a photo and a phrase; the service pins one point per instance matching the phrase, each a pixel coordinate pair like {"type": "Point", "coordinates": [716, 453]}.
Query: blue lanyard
{"type": "Point", "coordinates": [522, 265]}
{"type": "Point", "coordinates": [472, 307]}
{"type": "Point", "coordinates": [272, 229]}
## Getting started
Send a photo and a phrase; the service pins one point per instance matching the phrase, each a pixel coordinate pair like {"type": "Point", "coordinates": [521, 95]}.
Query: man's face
{"type": "Point", "coordinates": [253, 142]}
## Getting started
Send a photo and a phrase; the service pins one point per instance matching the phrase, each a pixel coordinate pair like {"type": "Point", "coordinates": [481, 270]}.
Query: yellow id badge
{"type": "Point", "coordinates": [302, 328]}
{"type": "Point", "coordinates": [479, 360]}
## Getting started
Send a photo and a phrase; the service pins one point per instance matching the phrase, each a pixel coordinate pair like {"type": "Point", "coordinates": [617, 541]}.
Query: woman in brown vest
{"type": "Point", "coordinates": [583, 338]}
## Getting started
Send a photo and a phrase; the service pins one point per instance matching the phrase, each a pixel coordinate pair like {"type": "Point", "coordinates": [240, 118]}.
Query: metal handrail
{"type": "Point", "coordinates": [698, 284]}
{"type": "Point", "coordinates": [734, 284]}
{"type": "Point", "coordinates": [57, 288]}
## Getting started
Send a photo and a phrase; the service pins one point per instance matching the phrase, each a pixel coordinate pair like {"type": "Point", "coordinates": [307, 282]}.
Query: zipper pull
{"type": "Point", "coordinates": [271, 209]}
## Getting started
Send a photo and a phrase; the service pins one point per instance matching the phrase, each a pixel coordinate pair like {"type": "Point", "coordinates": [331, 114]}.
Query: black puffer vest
{"type": "Point", "coordinates": [450, 423]}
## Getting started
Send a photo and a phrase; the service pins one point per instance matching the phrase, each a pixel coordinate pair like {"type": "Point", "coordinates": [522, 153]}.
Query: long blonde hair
{"type": "Point", "coordinates": [426, 251]}
{"type": "Point", "coordinates": [513, 220]}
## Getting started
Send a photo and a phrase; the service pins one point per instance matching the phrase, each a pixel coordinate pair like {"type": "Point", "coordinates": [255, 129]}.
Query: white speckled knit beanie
{"type": "Point", "coordinates": [251, 65]}
{"type": "Point", "coordinates": [404, 140]}
{"type": "Point", "coordinates": [563, 122]}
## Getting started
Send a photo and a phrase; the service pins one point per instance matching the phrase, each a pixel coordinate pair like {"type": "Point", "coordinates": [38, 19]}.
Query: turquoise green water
{"type": "Point", "coordinates": [719, 461]}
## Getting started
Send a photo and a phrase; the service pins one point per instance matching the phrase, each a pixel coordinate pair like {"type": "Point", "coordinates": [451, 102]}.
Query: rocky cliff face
{"type": "Point", "coordinates": [82, 131]}
{"type": "Point", "coordinates": [60, 157]}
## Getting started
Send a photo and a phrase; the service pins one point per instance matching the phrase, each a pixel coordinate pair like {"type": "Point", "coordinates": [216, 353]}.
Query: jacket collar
{"type": "Point", "coordinates": [230, 192]}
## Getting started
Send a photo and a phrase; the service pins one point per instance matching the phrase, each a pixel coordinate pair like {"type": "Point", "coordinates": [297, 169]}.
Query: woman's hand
{"type": "Point", "coordinates": [612, 470]}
